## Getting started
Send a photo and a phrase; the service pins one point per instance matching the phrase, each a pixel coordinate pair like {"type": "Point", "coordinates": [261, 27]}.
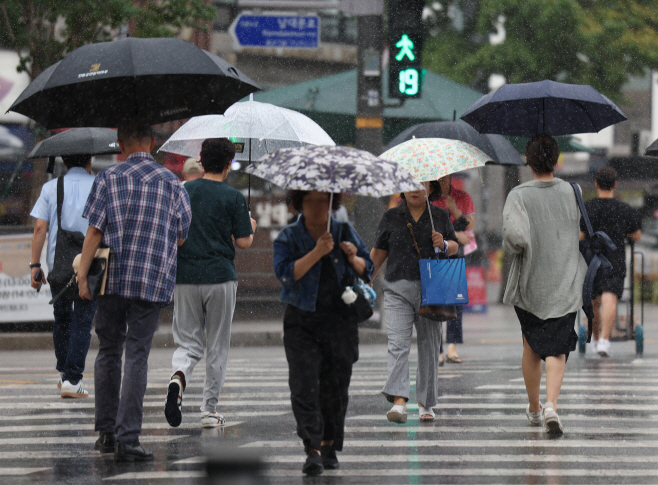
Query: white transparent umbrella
{"type": "Point", "coordinates": [256, 128]}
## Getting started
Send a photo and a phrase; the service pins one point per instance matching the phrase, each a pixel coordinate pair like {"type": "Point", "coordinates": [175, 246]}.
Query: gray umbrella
{"type": "Point", "coordinates": [78, 141]}
{"type": "Point", "coordinates": [501, 151]}
{"type": "Point", "coordinates": [652, 150]}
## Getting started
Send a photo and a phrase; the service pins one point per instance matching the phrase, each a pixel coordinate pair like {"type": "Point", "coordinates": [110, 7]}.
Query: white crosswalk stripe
{"type": "Point", "coordinates": [480, 434]}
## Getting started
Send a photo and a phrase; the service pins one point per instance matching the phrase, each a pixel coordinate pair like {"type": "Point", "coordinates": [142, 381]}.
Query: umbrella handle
{"type": "Point", "coordinates": [331, 202]}
{"type": "Point", "coordinates": [429, 213]}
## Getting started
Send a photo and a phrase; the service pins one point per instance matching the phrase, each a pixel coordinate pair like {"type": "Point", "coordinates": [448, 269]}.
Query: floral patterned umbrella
{"type": "Point", "coordinates": [430, 159]}
{"type": "Point", "coordinates": [333, 169]}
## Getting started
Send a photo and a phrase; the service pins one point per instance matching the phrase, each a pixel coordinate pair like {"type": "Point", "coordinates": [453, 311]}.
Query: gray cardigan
{"type": "Point", "coordinates": [541, 225]}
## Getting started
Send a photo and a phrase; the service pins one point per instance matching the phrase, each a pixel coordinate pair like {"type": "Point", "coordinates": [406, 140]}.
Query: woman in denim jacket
{"type": "Point", "coordinates": [321, 340]}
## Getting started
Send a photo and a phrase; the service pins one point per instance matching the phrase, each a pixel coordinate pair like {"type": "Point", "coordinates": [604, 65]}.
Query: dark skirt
{"type": "Point", "coordinates": [550, 337]}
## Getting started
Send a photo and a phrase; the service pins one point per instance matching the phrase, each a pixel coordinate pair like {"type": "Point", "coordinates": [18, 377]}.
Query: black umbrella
{"type": "Point", "coordinates": [652, 150]}
{"type": "Point", "coordinates": [78, 141]}
{"type": "Point", "coordinates": [156, 80]}
{"type": "Point", "coordinates": [497, 147]}
{"type": "Point", "coordinates": [530, 109]}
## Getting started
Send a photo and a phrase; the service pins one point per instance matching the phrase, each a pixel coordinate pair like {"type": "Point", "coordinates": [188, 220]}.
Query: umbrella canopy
{"type": "Point", "coordinates": [430, 159]}
{"type": "Point", "coordinates": [497, 147]}
{"type": "Point", "coordinates": [156, 80]}
{"type": "Point", "coordinates": [652, 150]}
{"type": "Point", "coordinates": [78, 141]}
{"type": "Point", "coordinates": [333, 169]}
{"type": "Point", "coordinates": [261, 127]}
{"type": "Point", "coordinates": [530, 109]}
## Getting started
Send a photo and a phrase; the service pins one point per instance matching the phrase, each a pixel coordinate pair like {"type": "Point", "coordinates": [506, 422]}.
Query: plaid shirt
{"type": "Point", "coordinates": [142, 210]}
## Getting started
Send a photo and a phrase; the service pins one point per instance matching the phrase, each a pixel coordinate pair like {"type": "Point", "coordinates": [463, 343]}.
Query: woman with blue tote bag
{"type": "Point", "coordinates": [403, 233]}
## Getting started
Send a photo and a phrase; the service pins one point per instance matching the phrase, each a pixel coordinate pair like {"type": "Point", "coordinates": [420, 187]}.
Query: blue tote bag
{"type": "Point", "coordinates": [443, 281]}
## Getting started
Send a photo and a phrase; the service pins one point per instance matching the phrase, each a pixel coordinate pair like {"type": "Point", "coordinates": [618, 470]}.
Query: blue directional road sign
{"type": "Point", "coordinates": [289, 31]}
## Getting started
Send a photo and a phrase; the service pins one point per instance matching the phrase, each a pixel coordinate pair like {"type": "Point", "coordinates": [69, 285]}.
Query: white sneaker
{"type": "Point", "coordinates": [603, 348]}
{"type": "Point", "coordinates": [74, 391]}
{"type": "Point", "coordinates": [552, 423]}
{"type": "Point", "coordinates": [212, 420]}
{"type": "Point", "coordinates": [593, 346]}
{"type": "Point", "coordinates": [59, 384]}
{"type": "Point", "coordinates": [534, 417]}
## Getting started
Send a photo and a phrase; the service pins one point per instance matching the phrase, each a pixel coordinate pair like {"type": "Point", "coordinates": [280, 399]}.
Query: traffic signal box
{"type": "Point", "coordinates": [405, 40]}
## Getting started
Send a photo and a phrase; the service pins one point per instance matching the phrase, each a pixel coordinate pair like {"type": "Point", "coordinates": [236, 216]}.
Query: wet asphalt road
{"type": "Point", "coordinates": [481, 436]}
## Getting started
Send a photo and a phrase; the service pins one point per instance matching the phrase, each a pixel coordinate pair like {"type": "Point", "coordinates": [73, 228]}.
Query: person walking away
{"type": "Point", "coordinates": [462, 215]}
{"type": "Point", "coordinates": [541, 229]}
{"type": "Point", "coordinates": [207, 282]}
{"type": "Point", "coordinates": [192, 170]}
{"type": "Point", "coordinates": [621, 222]}
{"type": "Point", "coordinates": [139, 210]}
{"type": "Point", "coordinates": [73, 318]}
{"type": "Point", "coordinates": [321, 335]}
{"type": "Point", "coordinates": [403, 232]}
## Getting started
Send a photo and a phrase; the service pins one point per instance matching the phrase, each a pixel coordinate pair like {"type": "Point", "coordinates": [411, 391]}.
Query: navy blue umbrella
{"type": "Point", "coordinates": [549, 107]}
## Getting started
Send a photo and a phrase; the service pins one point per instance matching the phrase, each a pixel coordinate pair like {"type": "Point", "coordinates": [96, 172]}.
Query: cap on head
{"type": "Point", "coordinates": [192, 166]}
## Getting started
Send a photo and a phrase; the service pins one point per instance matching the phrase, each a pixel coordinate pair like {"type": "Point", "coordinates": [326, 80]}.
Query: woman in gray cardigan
{"type": "Point", "coordinates": [541, 228]}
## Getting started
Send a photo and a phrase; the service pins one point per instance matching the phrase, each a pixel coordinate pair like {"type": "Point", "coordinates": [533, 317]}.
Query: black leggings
{"type": "Point", "coordinates": [320, 349]}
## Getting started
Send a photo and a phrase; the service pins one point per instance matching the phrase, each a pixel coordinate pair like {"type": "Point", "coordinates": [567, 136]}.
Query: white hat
{"type": "Point", "coordinates": [192, 166]}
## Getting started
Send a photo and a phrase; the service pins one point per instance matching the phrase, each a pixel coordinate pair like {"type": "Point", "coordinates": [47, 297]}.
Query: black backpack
{"type": "Point", "coordinates": [595, 248]}
{"type": "Point", "coordinates": [67, 247]}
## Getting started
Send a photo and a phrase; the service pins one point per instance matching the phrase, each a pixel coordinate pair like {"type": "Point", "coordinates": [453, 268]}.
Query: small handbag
{"type": "Point", "coordinates": [437, 313]}
{"type": "Point", "coordinates": [96, 277]}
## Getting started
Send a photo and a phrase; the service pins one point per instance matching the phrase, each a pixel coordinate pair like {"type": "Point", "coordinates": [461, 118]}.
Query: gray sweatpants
{"type": "Point", "coordinates": [401, 304]}
{"type": "Point", "coordinates": [199, 308]}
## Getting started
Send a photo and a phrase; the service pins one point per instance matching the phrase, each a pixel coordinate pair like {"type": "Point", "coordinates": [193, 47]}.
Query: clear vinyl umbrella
{"type": "Point", "coordinates": [256, 128]}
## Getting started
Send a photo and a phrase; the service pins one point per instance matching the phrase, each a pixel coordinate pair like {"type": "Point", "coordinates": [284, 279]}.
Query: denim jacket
{"type": "Point", "coordinates": [294, 242]}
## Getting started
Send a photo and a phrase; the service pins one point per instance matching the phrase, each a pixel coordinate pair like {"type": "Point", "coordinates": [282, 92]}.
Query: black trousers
{"type": "Point", "coordinates": [320, 349]}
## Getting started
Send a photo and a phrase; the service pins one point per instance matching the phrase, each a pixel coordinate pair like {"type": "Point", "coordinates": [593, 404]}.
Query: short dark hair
{"type": "Point", "coordinates": [606, 178]}
{"type": "Point", "coordinates": [216, 154]}
{"type": "Point", "coordinates": [541, 153]}
{"type": "Point", "coordinates": [134, 130]}
{"type": "Point", "coordinates": [297, 199]}
{"type": "Point", "coordinates": [76, 160]}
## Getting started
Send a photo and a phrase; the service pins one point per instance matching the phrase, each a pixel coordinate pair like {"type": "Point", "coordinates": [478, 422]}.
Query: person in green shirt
{"type": "Point", "coordinates": [206, 281]}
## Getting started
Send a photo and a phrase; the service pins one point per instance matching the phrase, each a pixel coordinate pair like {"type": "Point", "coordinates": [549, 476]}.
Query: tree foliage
{"type": "Point", "coordinates": [43, 31]}
{"type": "Point", "coordinates": [596, 42]}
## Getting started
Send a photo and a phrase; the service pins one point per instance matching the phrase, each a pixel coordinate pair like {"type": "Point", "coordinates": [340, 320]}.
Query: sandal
{"type": "Point", "coordinates": [426, 414]}
{"type": "Point", "coordinates": [397, 414]}
{"type": "Point", "coordinates": [454, 360]}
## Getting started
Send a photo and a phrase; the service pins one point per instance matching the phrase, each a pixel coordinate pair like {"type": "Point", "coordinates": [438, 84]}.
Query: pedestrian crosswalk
{"type": "Point", "coordinates": [609, 409]}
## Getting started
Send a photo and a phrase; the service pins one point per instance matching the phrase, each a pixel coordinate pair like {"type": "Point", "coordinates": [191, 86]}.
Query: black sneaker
{"type": "Point", "coordinates": [174, 403]}
{"type": "Point", "coordinates": [329, 458]}
{"type": "Point", "coordinates": [132, 451]}
{"type": "Point", "coordinates": [105, 442]}
{"type": "Point", "coordinates": [313, 465]}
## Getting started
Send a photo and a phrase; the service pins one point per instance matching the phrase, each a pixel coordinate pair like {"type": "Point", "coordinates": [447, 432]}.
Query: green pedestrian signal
{"type": "Point", "coordinates": [409, 82]}
{"type": "Point", "coordinates": [406, 46]}
{"type": "Point", "coordinates": [405, 43]}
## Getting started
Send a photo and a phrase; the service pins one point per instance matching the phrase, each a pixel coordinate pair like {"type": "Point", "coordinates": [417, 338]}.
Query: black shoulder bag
{"type": "Point", "coordinates": [594, 249]}
{"type": "Point", "coordinates": [360, 310]}
{"type": "Point", "coordinates": [67, 246]}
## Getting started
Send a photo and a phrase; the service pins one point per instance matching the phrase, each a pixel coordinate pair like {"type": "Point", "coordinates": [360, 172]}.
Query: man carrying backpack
{"type": "Point", "coordinates": [620, 222]}
{"type": "Point", "coordinates": [73, 317]}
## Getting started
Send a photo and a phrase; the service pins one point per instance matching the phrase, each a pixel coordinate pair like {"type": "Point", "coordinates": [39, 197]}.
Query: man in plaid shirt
{"type": "Point", "coordinates": [141, 212]}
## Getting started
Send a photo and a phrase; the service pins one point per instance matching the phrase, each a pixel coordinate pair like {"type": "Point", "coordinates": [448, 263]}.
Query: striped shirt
{"type": "Point", "coordinates": [142, 210]}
